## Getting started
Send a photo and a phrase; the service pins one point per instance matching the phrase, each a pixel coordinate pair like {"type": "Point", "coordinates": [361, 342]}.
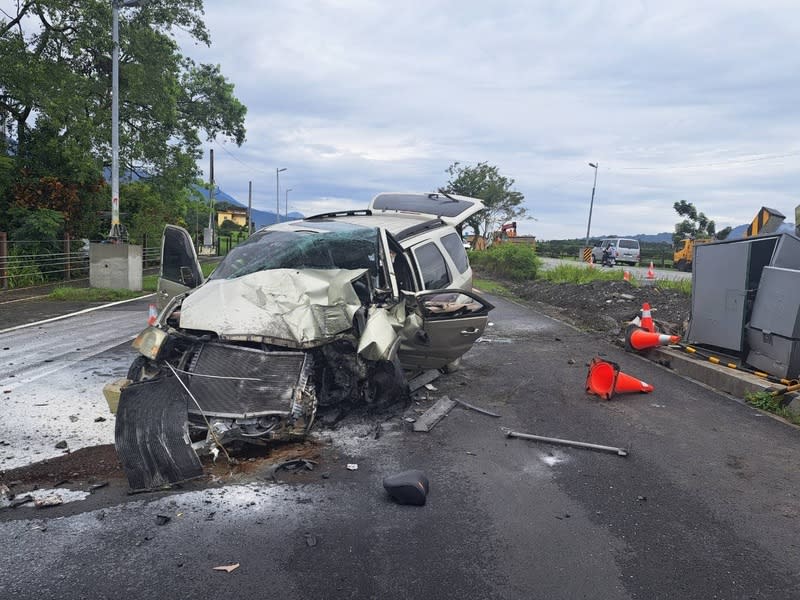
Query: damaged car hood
{"type": "Point", "coordinates": [297, 309]}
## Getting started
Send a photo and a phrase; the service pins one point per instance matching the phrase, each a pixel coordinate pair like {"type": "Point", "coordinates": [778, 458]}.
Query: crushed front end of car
{"type": "Point", "coordinates": [250, 356]}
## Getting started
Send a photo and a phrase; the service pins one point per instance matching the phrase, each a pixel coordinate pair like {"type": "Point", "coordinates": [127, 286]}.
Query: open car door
{"type": "Point", "coordinates": [450, 208]}
{"type": "Point", "coordinates": [180, 269]}
{"type": "Point", "coordinates": [452, 321]}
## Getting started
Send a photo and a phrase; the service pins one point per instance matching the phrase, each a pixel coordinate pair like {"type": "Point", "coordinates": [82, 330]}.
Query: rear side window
{"type": "Point", "coordinates": [455, 248]}
{"type": "Point", "coordinates": [431, 263]}
{"type": "Point", "coordinates": [629, 244]}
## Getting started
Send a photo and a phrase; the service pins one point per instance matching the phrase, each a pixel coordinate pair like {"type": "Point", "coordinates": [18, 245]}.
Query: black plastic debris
{"type": "Point", "coordinates": [408, 487]}
{"type": "Point", "coordinates": [294, 465]}
{"type": "Point", "coordinates": [162, 519]}
{"type": "Point", "coordinates": [152, 435]}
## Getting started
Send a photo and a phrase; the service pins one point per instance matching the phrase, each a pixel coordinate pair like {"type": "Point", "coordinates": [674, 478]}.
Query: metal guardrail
{"type": "Point", "coordinates": [27, 263]}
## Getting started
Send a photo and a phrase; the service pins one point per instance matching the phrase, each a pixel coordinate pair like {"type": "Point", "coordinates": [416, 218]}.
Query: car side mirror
{"type": "Point", "coordinates": [187, 277]}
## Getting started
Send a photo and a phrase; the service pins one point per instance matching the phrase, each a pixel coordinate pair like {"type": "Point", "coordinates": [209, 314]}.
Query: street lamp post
{"type": "Point", "coordinates": [591, 202]}
{"type": "Point", "coordinates": [286, 205]}
{"type": "Point", "coordinates": [116, 231]}
{"type": "Point", "coordinates": [278, 194]}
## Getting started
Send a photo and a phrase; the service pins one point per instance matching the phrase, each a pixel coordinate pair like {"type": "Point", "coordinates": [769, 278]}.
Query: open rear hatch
{"type": "Point", "coordinates": [450, 208]}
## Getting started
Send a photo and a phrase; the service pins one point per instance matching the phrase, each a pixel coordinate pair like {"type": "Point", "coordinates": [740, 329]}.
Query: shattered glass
{"type": "Point", "coordinates": [338, 248]}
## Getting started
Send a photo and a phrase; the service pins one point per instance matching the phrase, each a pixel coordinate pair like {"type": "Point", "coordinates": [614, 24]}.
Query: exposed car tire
{"type": "Point", "coordinates": [138, 371]}
{"type": "Point", "coordinates": [681, 265]}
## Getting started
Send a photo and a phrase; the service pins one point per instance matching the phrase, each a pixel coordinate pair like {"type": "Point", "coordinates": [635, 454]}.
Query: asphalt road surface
{"type": "Point", "coordinates": [707, 504]}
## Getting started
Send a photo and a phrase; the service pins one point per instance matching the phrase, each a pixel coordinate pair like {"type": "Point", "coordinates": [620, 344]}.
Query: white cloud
{"type": "Point", "coordinates": [675, 100]}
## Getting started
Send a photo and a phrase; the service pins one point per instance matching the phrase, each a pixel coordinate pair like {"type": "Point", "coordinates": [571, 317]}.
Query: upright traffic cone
{"type": "Point", "coordinates": [626, 275]}
{"type": "Point", "coordinates": [152, 314]}
{"type": "Point", "coordinates": [637, 338]}
{"type": "Point", "coordinates": [647, 318]}
{"type": "Point", "coordinates": [605, 379]}
{"type": "Point", "coordinates": [651, 272]}
{"type": "Point", "coordinates": [591, 261]}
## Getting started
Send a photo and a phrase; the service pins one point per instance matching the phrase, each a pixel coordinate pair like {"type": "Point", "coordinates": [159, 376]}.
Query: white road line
{"type": "Point", "coordinates": [80, 312]}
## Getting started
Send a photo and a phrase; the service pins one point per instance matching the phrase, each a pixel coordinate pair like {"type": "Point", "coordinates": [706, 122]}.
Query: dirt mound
{"type": "Point", "coordinates": [606, 306]}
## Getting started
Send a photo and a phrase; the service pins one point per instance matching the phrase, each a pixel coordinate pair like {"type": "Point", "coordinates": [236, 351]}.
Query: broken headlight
{"type": "Point", "coordinates": [151, 342]}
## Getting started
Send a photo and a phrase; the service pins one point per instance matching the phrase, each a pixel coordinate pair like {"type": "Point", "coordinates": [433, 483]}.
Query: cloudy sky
{"type": "Point", "coordinates": [674, 100]}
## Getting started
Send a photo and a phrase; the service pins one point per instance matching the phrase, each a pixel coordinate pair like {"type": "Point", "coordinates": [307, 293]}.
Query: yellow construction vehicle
{"type": "Point", "coordinates": [766, 221]}
{"type": "Point", "coordinates": [682, 257]}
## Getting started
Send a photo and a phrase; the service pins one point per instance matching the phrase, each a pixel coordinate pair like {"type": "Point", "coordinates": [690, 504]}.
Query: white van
{"type": "Point", "coordinates": [627, 250]}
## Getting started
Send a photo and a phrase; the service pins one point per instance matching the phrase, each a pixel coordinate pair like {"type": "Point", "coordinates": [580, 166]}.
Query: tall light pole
{"type": "Point", "coordinates": [286, 206]}
{"type": "Point", "coordinates": [116, 231]}
{"type": "Point", "coordinates": [278, 194]}
{"type": "Point", "coordinates": [591, 203]}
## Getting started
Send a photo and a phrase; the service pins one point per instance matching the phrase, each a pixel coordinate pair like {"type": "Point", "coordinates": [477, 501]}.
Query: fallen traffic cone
{"type": "Point", "coordinates": [626, 383]}
{"type": "Point", "coordinates": [647, 318]}
{"type": "Point", "coordinates": [605, 379]}
{"type": "Point", "coordinates": [152, 314]}
{"type": "Point", "coordinates": [637, 338]}
{"type": "Point", "coordinates": [651, 273]}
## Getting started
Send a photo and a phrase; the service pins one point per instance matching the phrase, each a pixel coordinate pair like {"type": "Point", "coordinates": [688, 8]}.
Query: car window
{"type": "Point", "coordinates": [270, 249]}
{"type": "Point", "coordinates": [433, 267]}
{"type": "Point", "coordinates": [628, 244]}
{"type": "Point", "coordinates": [455, 248]}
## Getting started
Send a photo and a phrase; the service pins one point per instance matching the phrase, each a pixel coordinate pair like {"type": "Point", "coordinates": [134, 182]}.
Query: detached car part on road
{"type": "Point", "coordinates": [332, 310]}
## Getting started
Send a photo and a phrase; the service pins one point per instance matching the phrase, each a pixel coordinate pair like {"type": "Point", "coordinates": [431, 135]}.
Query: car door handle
{"type": "Point", "coordinates": [470, 331]}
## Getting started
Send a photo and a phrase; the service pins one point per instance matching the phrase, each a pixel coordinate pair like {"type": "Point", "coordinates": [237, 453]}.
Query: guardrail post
{"type": "Point", "coordinates": [67, 265]}
{"type": "Point", "coordinates": [3, 260]}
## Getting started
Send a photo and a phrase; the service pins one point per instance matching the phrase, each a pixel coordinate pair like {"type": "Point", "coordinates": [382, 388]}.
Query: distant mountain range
{"type": "Point", "coordinates": [666, 237]}
{"type": "Point", "coordinates": [261, 218]}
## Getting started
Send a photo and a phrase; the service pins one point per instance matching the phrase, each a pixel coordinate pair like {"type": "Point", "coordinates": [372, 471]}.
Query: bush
{"type": "Point", "coordinates": [517, 262]}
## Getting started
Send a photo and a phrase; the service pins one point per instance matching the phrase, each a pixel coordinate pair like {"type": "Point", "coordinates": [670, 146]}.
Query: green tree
{"type": "Point", "coordinates": [484, 181]}
{"type": "Point", "coordinates": [695, 224]}
{"type": "Point", "coordinates": [55, 92]}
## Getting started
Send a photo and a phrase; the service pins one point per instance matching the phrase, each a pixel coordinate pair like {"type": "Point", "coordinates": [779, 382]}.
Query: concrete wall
{"type": "Point", "coordinates": [115, 266]}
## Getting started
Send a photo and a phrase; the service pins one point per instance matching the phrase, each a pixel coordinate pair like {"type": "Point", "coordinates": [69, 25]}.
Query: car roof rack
{"type": "Point", "coordinates": [419, 228]}
{"type": "Point", "coordinates": [341, 213]}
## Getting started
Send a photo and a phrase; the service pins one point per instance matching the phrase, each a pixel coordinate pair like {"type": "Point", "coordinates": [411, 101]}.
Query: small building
{"type": "Point", "coordinates": [238, 216]}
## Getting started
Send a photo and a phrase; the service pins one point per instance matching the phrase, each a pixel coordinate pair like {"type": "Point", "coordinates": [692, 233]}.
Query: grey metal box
{"type": "Point", "coordinates": [777, 305]}
{"type": "Point", "coordinates": [773, 334]}
{"type": "Point", "coordinates": [774, 354]}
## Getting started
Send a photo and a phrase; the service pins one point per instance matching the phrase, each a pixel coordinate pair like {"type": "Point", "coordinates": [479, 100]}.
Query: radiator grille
{"type": "Point", "coordinates": [264, 382]}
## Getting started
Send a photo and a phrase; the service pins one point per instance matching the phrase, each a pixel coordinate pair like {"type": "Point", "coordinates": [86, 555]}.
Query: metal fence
{"type": "Point", "coordinates": [26, 263]}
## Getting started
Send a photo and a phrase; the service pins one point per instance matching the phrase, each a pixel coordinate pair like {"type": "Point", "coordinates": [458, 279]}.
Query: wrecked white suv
{"type": "Point", "coordinates": [336, 309]}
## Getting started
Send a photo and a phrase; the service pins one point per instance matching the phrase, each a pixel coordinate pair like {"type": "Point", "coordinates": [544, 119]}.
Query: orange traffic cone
{"type": "Point", "coordinates": [625, 383]}
{"type": "Point", "coordinates": [591, 261]}
{"type": "Point", "coordinates": [647, 318]}
{"type": "Point", "coordinates": [605, 379]}
{"type": "Point", "coordinates": [152, 314]}
{"type": "Point", "coordinates": [651, 273]}
{"type": "Point", "coordinates": [626, 275]}
{"type": "Point", "coordinates": [637, 338]}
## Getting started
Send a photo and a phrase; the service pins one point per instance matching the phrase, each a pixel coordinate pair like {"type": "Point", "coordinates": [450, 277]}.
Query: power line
{"type": "Point", "coordinates": [723, 163]}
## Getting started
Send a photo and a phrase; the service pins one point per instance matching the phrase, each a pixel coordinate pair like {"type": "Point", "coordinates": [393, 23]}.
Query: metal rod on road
{"type": "Point", "coordinates": [549, 440]}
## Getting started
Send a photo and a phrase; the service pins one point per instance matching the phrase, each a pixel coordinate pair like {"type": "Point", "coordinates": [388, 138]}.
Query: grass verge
{"type": "Point", "coordinates": [773, 404]}
{"type": "Point", "coordinates": [72, 294]}
{"type": "Point", "coordinates": [578, 274]}
{"type": "Point", "coordinates": [492, 287]}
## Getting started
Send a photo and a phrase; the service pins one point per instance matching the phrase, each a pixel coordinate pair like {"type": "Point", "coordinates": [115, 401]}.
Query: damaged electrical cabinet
{"type": "Point", "coordinates": [330, 310]}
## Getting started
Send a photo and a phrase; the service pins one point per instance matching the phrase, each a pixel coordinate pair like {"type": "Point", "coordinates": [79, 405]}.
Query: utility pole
{"type": "Point", "coordinates": [249, 208]}
{"type": "Point", "coordinates": [278, 194]}
{"type": "Point", "coordinates": [286, 205]}
{"type": "Point", "coordinates": [115, 234]}
{"type": "Point", "coordinates": [591, 202]}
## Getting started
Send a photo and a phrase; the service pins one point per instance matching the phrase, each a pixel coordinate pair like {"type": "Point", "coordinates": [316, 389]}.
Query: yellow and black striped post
{"type": "Point", "coordinates": [767, 221]}
{"type": "Point", "coordinates": [587, 254]}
